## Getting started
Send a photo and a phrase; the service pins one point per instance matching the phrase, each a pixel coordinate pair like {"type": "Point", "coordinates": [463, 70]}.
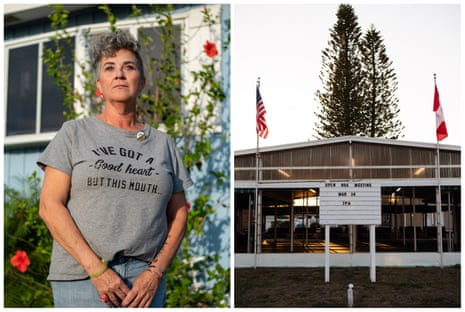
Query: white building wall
{"type": "Point", "coordinates": [404, 259]}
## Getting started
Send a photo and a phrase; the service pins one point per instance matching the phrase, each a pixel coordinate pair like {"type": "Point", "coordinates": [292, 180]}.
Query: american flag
{"type": "Point", "coordinates": [262, 129]}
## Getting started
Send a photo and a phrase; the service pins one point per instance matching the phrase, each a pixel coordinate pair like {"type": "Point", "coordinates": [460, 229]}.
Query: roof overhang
{"type": "Point", "coordinates": [15, 14]}
{"type": "Point", "coordinates": [347, 139]}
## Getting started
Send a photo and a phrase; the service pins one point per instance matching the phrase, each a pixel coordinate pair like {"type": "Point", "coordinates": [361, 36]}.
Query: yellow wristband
{"type": "Point", "coordinates": [102, 269]}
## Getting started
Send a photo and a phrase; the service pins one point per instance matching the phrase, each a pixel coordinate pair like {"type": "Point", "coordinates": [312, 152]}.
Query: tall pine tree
{"type": "Point", "coordinates": [381, 84]}
{"type": "Point", "coordinates": [359, 85]}
{"type": "Point", "coordinates": [342, 96]}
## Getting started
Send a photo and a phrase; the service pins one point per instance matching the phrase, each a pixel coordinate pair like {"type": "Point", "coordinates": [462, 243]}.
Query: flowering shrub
{"type": "Point", "coordinates": [28, 247]}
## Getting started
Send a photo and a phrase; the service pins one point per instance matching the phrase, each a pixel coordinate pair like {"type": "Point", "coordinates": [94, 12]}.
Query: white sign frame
{"type": "Point", "coordinates": [348, 202]}
{"type": "Point", "coordinates": [351, 203]}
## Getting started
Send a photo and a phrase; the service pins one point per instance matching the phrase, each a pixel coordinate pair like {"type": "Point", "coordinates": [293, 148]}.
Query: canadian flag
{"type": "Point", "coordinates": [441, 130]}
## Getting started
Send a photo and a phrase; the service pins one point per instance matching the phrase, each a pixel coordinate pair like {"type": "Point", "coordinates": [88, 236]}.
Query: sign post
{"type": "Point", "coordinates": [327, 253]}
{"type": "Point", "coordinates": [372, 253]}
{"type": "Point", "coordinates": [351, 203]}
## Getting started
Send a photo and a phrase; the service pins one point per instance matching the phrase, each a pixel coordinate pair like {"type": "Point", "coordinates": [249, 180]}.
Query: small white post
{"type": "Point", "coordinates": [350, 295]}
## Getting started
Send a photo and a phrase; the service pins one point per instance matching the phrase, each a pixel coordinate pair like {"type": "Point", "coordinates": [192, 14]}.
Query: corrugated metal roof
{"type": "Point", "coordinates": [347, 139]}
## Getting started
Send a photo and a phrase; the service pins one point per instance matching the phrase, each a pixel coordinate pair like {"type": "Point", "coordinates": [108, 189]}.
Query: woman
{"type": "Point", "coordinates": [113, 193]}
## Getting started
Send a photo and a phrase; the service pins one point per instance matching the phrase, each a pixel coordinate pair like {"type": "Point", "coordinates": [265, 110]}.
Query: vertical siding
{"type": "Point", "coordinates": [20, 164]}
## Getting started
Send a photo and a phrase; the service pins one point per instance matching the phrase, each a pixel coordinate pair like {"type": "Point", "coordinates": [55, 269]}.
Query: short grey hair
{"type": "Point", "coordinates": [106, 44]}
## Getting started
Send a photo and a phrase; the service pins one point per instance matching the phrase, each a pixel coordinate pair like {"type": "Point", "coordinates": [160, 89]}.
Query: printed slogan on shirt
{"type": "Point", "coordinates": [104, 164]}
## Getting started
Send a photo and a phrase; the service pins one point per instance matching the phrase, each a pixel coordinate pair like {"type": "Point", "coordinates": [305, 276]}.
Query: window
{"type": "Point", "coordinates": [52, 100]}
{"type": "Point", "coordinates": [22, 90]}
{"type": "Point", "coordinates": [152, 53]}
{"type": "Point", "coordinates": [34, 102]}
{"type": "Point", "coordinates": [161, 70]}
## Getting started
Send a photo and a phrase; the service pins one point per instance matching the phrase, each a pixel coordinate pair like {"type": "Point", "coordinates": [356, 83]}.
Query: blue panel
{"type": "Point", "coordinates": [19, 164]}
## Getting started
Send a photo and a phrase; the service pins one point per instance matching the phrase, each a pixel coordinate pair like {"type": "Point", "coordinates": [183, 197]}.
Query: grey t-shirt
{"type": "Point", "coordinates": [120, 188]}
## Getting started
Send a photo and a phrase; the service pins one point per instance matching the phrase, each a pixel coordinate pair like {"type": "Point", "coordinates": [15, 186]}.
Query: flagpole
{"type": "Point", "coordinates": [257, 160]}
{"type": "Point", "coordinates": [262, 131]}
{"type": "Point", "coordinates": [439, 204]}
{"type": "Point", "coordinates": [438, 196]}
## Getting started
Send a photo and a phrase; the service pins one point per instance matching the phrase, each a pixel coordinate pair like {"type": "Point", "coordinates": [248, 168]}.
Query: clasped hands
{"type": "Point", "coordinates": [115, 293]}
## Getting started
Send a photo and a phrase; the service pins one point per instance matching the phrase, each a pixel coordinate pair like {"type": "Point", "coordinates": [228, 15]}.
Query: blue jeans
{"type": "Point", "coordinates": [82, 293]}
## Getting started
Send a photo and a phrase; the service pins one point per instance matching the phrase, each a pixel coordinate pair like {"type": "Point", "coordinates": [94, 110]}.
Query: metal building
{"type": "Point", "coordinates": [286, 181]}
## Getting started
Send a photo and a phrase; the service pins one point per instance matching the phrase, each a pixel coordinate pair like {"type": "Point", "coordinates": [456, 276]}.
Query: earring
{"type": "Point", "coordinates": [99, 94]}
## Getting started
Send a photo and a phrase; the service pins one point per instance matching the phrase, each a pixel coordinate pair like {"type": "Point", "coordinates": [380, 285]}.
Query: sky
{"type": "Point", "coordinates": [282, 45]}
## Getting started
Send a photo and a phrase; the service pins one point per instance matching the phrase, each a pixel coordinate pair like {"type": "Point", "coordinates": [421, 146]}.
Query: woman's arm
{"type": "Point", "coordinates": [52, 209]}
{"type": "Point", "coordinates": [177, 223]}
{"type": "Point", "coordinates": [144, 288]}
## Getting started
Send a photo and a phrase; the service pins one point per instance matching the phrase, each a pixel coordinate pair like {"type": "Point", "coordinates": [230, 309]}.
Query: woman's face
{"type": "Point", "coordinates": [120, 79]}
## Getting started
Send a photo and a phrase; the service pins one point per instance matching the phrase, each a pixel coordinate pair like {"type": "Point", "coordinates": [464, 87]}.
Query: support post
{"type": "Point", "coordinates": [373, 253]}
{"type": "Point", "coordinates": [327, 253]}
{"type": "Point", "coordinates": [449, 224]}
{"type": "Point", "coordinates": [414, 224]}
{"type": "Point", "coordinates": [291, 222]}
{"type": "Point", "coordinates": [249, 221]}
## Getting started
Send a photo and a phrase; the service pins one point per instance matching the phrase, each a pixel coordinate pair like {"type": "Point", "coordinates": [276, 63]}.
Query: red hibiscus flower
{"type": "Point", "coordinates": [20, 261]}
{"type": "Point", "coordinates": [210, 49]}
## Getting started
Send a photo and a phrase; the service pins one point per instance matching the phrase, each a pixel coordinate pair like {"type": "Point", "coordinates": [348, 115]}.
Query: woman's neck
{"type": "Point", "coordinates": [120, 118]}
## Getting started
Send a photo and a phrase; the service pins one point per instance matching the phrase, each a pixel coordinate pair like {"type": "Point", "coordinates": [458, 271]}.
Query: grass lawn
{"type": "Point", "coordinates": [305, 287]}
